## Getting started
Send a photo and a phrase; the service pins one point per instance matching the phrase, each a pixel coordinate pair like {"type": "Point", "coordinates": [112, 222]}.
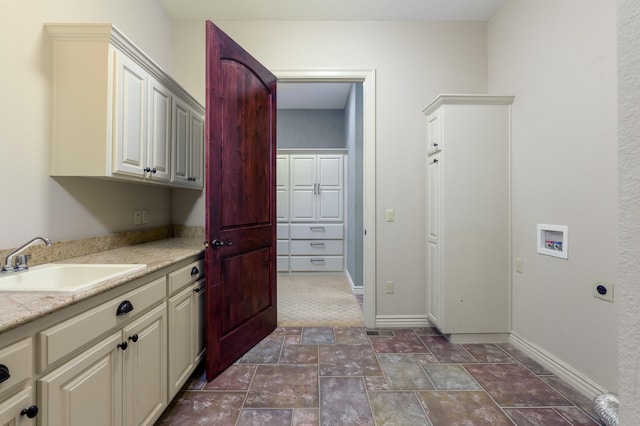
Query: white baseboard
{"type": "Point", "coordinates": [396, 321]}
{"type": "Point", "coordinates": [354, 289]}
{"type": "Point", "coordinates": [576, 379]}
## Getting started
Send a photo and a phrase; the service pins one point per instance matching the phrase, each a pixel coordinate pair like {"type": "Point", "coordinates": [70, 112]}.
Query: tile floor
{"type": "Point", "coordinates": [346, 376]}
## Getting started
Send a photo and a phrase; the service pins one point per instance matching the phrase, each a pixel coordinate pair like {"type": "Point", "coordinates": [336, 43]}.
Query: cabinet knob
{"type": "Point", "coordinates": [150, 170]}
{"type": "Point", "coordinates": [196, 290]}
{"type": "Point", "coordinates": [4, 373]}
{"type": "Point", "coordinates": [124, 308]}
{"type": "Point", "coordinates": [123, 346]}
{"type": "Point", "coordinates": [194, 271]}
{"type": "Point", "coordinates": [133, 338]}
{"type": "Point", "coordinates": [30, 412]}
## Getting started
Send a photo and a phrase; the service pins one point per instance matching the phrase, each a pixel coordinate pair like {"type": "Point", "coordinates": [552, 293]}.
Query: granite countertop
{"type": "Point", "coordinates": [20, 308]}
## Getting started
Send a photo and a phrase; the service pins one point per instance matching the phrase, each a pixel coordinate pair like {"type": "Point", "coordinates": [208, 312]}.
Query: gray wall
{"type": "Point", "coordinates": [355, 226]}
{"type": "Point", "coordinates": [310, 128]}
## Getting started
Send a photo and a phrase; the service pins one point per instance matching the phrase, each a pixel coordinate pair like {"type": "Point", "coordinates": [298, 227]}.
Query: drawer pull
{"type": "Point", "coordinates": [317, 228]}
{"type": "Point", "coordinates": [123, 346]}
{"type": "Point", "coordinates": [317, 245]}
{"type": "Point", "coordinates": [317, 261]}
{"type": "Point", "coordinates": [194, 271]}
{"type": "Point", "coordinates": [124, 308]}
{"type": "Point", "coordinates": [30, 412]}
{"type": "Point", "coordinates": [4, 373]}
{"type": "Point", "coordinates": [133, 338]}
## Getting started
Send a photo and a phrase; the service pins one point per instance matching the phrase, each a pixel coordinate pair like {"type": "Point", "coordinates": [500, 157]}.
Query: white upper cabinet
{"type": "Point", "coordinates": [316, 187]}
{"type": "Point", "coordinates": [115, 112]}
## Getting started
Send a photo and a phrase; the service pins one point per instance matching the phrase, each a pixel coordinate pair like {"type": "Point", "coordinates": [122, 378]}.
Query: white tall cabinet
{"type": "Point", "coordinates": [310, 205]}
{"type": "Point", "coordinates": [468, 216]}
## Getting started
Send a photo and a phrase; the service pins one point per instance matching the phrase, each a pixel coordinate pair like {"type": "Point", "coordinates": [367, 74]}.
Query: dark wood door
{"type": "Point", "coordinates": [240, 201]}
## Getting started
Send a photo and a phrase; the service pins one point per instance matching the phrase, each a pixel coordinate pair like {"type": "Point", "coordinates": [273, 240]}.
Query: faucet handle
{"type": "Point", "coordinates": [22, 261]}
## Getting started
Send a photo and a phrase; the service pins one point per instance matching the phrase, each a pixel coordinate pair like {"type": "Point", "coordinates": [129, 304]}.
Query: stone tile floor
{"type": "Point", "coordinates": [346, 376]}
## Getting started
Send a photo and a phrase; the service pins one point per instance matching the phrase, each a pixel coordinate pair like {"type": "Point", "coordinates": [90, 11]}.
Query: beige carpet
{"type": "Point", "coordinates": [317, 300]}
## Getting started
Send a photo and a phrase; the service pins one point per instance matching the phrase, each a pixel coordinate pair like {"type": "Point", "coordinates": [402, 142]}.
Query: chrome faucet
{"type": "Point", "coordinates": [20, 264]}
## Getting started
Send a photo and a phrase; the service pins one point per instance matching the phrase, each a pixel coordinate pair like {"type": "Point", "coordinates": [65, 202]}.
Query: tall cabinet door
{"type": "Point", "coordinates": [131, 116]}
{"type": "Point", "coordinates": [330, 187]}
{"type": "Point", "coordinates": [282, 188]}
{"type": "Point", "coordinates": [159, 145]}
{"type": "Point", "coordinates": [303, 187]}
{"type": "Point", "coordinates": [434, 230]}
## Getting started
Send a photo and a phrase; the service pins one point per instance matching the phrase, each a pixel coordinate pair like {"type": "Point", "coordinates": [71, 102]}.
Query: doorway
{"type": "Point", "coordinates": [366, 79]}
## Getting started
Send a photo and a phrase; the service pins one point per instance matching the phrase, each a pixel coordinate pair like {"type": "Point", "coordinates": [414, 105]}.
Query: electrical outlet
{"type": "Point", "coordinates": [145, 216]}
{"type": "Point", "coordinates": [137, 217]}
{"type": "Point", "coordinates": [390, 287]}
{"type": "Point", "coordinates": [603, 290]}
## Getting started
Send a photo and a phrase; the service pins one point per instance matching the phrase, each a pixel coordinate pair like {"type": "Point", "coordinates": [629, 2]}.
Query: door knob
{"type": "Point", "coordinates": [217, 243]}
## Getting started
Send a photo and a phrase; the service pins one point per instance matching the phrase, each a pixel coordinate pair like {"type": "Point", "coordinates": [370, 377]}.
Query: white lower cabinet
{"type": "Point", "coordinates": [19, 409]}
{"type": "Point", "coordinates": [120, 380]}
{"type": "Point", "coordinates": [186, 323]}
{"type": "Point", "coordinates": [116, 361]}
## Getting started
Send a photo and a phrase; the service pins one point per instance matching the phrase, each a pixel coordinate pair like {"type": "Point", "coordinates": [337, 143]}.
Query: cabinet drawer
{"type": "Point", "coordinates": [317, 231]}
{"type": "Point", "coordinates": [316, 247]}
{"type": "Point", "coordinates": [283, 247]}
{"type": "Point", "coordinates": [316, 263]}
{"type": "Point", "coordinates": [18, 360]}
{"type": "Point", "coordinates": [58, 341]}
{"type": "Point", "coordinates": [283, 264]}
{"type": "Point", "coordinates": [283, 231]}
{"type": "Point", "coordinates": [185, 276]}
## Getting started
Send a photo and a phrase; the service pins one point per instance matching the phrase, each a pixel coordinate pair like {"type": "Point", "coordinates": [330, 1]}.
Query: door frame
{"type": "Point", "coordinates": [366, 76]}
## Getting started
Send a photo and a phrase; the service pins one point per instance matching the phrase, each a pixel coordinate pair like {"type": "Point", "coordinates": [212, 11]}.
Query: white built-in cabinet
{"type": "Point", "coordinates": [310, 211]}
{"type": "Point", "coordinates": [186, 325]}
{"type": "Point", "coordinates": [468, 216]}
{"type": "Point", "coordinates": [117, 360]}
{"type": "Point", "coordinates": [117, 115]}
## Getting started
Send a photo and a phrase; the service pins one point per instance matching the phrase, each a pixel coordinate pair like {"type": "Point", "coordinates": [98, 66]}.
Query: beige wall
{"type": "Point", "coordinates": [414, 62]}
{"type": "Point", "coordinates": [559, 60]}
{"type": "Point", "coordinates": [31, 202]}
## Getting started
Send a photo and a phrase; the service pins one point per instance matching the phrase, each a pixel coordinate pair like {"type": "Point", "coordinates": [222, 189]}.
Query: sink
{"type": "Point", "coordinates": [63, 278]}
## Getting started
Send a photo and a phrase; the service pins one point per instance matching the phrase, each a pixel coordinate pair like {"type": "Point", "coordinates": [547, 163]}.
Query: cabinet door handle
{"type": "Point", "coordinates": [194, 271]}
{"type": "Point", "coordinates": [133, 338]}
{"type": "Point", "coordinates": [123, 346]}
{"type": "Point", "coordinates": [196, 290]}
{"type": "Point", "coordinates": [4, 373]}
{"type": "Point", "coordinates": [124, 308]}
{"type": "Point", "coordinates": [435, 160]}
{"type": "Point", "coordinates": [30, 412]}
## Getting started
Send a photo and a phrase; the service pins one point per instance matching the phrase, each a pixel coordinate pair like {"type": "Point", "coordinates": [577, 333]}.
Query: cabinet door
{"type": "Point", "coordinates": [330, 187]}
{"type": "Point", "coordinates": [200, 342]}
{"type": "Point", "coordinates": [195, 173]}
{"type": "Point", "coordinates": [434, 131]}
{"type": "Point", "coordinates": [159, 132]}
{"type": "Point", "coordinates": [86, 390]}
{"type": "Point", "coordinates": [145, 368]}
{"type": "Point", "coordinates": [130, 116]}
{"type": "Point", "coordinates": [180, 123]}
{"type": "Point", "coordinates": [434, 247]}
{"type": "Point", "coordinates": [182, 312]}
{"type": "Point", "coordinates": [282, 188]}
{"type": "Point", "coordinates": [11, 408]}
{"type": "Point", "coordinates": [303, 187]}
